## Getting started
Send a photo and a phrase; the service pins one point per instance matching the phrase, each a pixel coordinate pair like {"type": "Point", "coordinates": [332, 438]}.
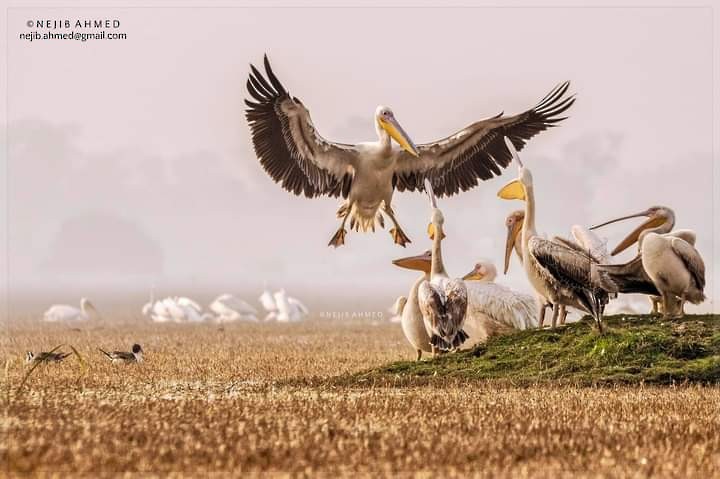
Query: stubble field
{"type": "Point", "coordinates": [258, 398]}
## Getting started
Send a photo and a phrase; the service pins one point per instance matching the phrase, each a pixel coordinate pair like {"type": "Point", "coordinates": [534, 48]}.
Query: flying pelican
{"type": "Point", "coordinates": [669, 259]}
{"type": "Point", "coordinates": [65, 312]}
{"type": "Point", "coordinates": [558, 272]}
{"type": "Point", "coordinates": [231, 308]}
{"type": "Point", "coordinates": [136, 356]}
{"type": "Point", "coordinates": [295, 155]}
{"type": "Point", "coordinates": [443, 301]}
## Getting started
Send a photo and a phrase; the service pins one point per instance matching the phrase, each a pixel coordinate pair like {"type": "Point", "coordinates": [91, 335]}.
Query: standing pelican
{"type": "Point", "coordinates": [411, 318]}
{"type": "Point", "coordinates": [231, 308]}
{"type": "Point", "coordinates": [366, 174]}
{"type": "Point", "coordinates": [558, 272]}
{"type": "Point", "coordinates": [65, 312]}
{"type": "Point", "coordinates": [443, 301]}
{"type": "Point", "coordinates": [669, 259]}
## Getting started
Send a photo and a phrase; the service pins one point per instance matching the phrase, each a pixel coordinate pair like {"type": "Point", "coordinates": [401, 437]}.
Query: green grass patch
{"type": "Point", "coordinates": [633, 349]}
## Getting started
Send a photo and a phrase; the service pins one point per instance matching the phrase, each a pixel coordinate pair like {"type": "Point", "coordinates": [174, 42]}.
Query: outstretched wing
{"type": "Point", "coordinates": [287, 144]}
{"type": "Point", "coordinates": [692, 260]}
{"type": "Point", "coordinates": [478, 152]}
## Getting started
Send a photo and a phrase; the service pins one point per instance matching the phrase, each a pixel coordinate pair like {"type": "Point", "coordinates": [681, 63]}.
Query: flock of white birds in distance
{"type": "Point", "coordinates": [226, 308]}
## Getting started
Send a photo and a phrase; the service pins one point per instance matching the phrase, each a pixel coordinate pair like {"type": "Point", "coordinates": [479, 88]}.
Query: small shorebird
{"type": "Point", "coordinates": [136, 356]}
{"type": "Point", "coordinates": [45, 357]}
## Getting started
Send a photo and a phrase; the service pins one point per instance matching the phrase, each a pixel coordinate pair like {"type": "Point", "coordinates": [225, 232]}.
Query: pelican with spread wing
{"type": "Point", "coordinates": [366, 174]}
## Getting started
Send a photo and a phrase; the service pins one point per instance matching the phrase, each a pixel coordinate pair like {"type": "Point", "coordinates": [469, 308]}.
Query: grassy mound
{"type": "Point", "coordinates": [633, 349]}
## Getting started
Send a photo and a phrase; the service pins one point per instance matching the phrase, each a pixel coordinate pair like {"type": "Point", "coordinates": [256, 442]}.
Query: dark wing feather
{"type": "Point", "coordinates": [478, 152]}
{"type": "Point", "coordinates": [573, 269]}
{"type": "Point", "coordinates": [287, 144]}
{"type": "Point", "coordinates": [630, 277]}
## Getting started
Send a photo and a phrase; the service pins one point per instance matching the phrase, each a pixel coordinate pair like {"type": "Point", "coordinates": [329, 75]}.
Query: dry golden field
{"type": "Point", "coordinates": [259, 398]}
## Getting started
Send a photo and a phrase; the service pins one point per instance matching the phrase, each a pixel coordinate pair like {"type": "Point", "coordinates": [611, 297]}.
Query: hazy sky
{"type": "Point", "coordinates": [130, 163]}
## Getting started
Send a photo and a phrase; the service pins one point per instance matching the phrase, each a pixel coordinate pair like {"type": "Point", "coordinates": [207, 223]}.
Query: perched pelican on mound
{"type": "Point", "coordinates": [231, 308]}
{"type": "Point", "coordinates": [295, 155]}
{"type": "Point", "coordinates": [65, 312]}
{"type": "Point", "coordinates": [495, 307]}
{"type": "Point", "coordinates": [443, 301]}
{"type": "Point", "coordinates": [558, 272]}
{"type": "Point", "coordinates": [668, 258]}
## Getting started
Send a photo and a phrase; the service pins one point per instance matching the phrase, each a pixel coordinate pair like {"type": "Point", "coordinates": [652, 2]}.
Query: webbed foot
{"type": "Point", "coordinates": [338, 238]}
{"type": "Point", "coordinates": [399, 237]}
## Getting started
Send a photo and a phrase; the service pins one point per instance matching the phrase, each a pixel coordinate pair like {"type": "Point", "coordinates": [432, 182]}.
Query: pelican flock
{"type": "Point", "coordinates": [366, 174]}
{"type": "Point", "coordinates": [442, 313]}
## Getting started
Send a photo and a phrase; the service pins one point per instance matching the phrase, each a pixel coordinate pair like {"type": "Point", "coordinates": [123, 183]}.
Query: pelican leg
{"type": "Point", "coordinates": [338, 238]}
{"type": "Point", "coordinates": [666, 305]}
{"type": "Point", "coordinates": [541, 315]}
{"type": "Point", "coordinates": [397, 233]}
{"type": "Point", "coordinates": [555, 313]}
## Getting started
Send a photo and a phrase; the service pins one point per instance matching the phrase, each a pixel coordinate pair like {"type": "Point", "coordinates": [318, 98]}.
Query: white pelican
{"type": "Point", "coordinates": [669, 259]}
{"type": "Point", "coordinates": [188, 303]}
{"type": "Point", "coordinates": [562, 274]}
{"type": "Point", "coordinates": [396, 310]}
{"type": "Point", "coordinates": [65, 312]}
{"type": "Point", "coordinates": [411, 319]}
{"type": "Point", "coordinates": [136, 356]}
{"type": "Point", "coordinates": [287, 309]}
{"type": "Point", "coordinates": [295, 155]}
{"type": "Point", "coordinates": [231, 308]}
{"type": "Point", "coordinates": [496, 308]}
{"type": "Point", "coordinates": [514, 224]}
{"type": "Point", "coordinates": [492, 308]}
{"type": "Point", "coordinates": [443, 301]}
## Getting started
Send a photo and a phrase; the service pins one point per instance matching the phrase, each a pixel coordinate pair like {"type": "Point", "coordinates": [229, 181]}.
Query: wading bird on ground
{"type": "Point", "coordinates": [45, 357]}
{"type": "Point", "coordinates": [65, 312]}
{"type": "Point", "coordinates": [366, 174]}
{"type": "Point", "coordinates": [135, 356]}
{"type": "Point", "coordinates": [443, 301]}
{"type": "Point", "coordinates": [559, 272]}
{"type": "Point", "coordinates": [667, 258]}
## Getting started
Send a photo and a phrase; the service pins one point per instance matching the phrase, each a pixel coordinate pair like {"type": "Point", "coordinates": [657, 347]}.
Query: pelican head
{"type": "Point", "coordinates": [483, 271]}
{"type": "Point", "coordinates": [514, 223]}
{"type": "Point", "coordinates": [419, 262]}
{"type": "Point", "coordinates": [387, 122]}
{"type": "Point", "coordinates": [516, 189]}
{"type": "Point", "coordinates": [660, 219]}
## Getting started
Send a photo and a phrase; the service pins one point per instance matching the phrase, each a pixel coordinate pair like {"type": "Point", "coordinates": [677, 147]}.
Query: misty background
{"type": "Point", "coordinates": [129, 162]}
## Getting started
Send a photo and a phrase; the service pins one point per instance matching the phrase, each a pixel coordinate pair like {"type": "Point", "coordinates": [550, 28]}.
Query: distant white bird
{"type": "Point", "coordinates": [287, 309]}
{"type": "Point", "coordinates": [230, 308]}
{"type": "Point", "coordinates": [65, 312]}
{"type": "Point", "coordinates": [268, 301]}
{"type": "Point", "coordinates": [281, 307]}
{"type": "Point", "coordinates": [396, 310]}
{"type": "Point", "coordinates": [187, 302]}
